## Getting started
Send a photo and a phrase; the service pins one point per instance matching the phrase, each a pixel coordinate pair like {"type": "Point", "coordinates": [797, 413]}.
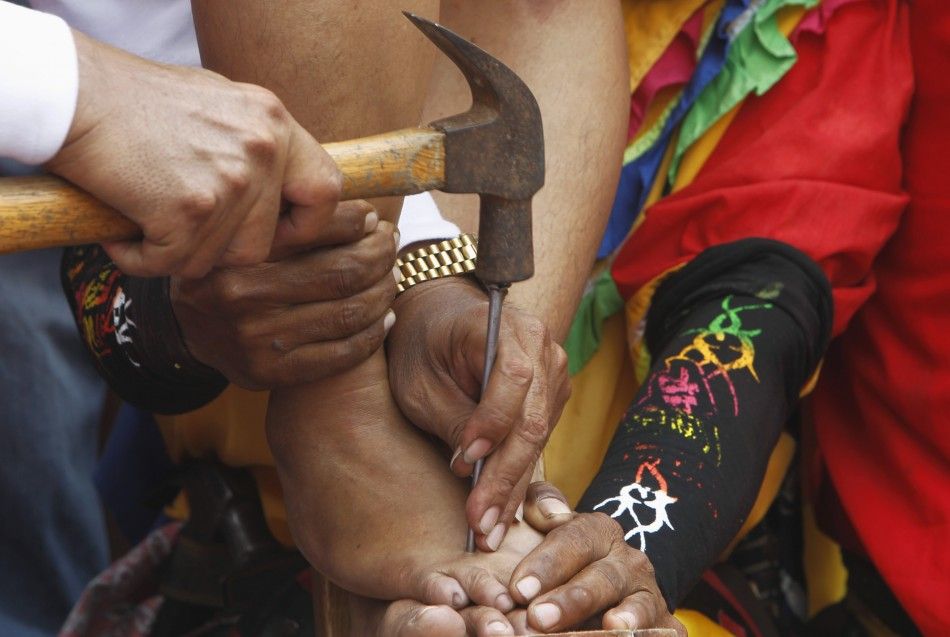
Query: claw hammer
{"type": "Point", "coordinates": [495, 149]}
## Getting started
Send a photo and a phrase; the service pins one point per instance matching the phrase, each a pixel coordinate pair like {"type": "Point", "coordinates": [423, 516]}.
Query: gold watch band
{"type": "Point", "coordinates": [452, 257]}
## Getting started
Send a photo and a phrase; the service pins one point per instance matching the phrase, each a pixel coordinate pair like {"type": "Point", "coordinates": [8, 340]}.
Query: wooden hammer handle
{"type": "Point", "coordinates": [46, 211]}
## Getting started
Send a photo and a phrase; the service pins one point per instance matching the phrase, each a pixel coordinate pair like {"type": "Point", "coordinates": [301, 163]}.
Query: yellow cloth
{"type": "Point", "coordinates": [231, 428]}
{"type": "Point", "coordinates": [651, 25]}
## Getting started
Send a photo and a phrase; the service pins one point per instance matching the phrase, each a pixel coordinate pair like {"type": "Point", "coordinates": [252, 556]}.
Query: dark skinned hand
{"type": "Point", "coordinates": [436, 355]}
{"type": "Point", "coordinates": [310, 312]}
{"type": "Point", "coordinates": [582, 568]}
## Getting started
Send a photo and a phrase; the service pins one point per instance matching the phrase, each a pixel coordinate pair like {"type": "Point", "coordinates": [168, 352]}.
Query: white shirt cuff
{"type": "Point", "coordinates": [39, 83]}
{"type": "Point", "coordinates": [421, 221]}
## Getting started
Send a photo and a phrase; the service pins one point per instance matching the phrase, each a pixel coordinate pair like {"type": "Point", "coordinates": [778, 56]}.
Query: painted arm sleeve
{"type": "Point", "coordinates": [128, 325]}
{"type": "Point", "coordinates": [734, 335]}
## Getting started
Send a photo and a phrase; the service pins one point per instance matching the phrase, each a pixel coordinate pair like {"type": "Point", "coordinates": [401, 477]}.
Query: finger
{"type": "Point", "coordinates": [332, 320]}
{"type": "Point", "coordinates": [312, 184]}
{"type": "Point", "coordinates": [482, 621]}
{"type": "Point", "coordinates": [598, 586]}
{"type": "Point", "coordinates": [506, 467]}
{"type": "Point", "coordinates": [350, 221]}
{"type": "Point", "coordinates": [545, 507]}
{"type": "Point", "coordinates": [634, 611]}
{"type": "Point", "coordinates": [518, 619]}
{"type": "Point", "coordinates": [313, 361]}
{"type": "Point", "coordinates": [251, 238]}
{"type": "Point", "coordinates": [161, 253]}
{"type": "Point", "coordinates": [409, 618]}
{"type": "Point", "coordinates": [339, 272]}
{"type": "Point", "coordinates": [500, 408]}
{"type": "Point", "coordinates": [482, 587]}
{"type": "Point", "coordinates": [311, 177]}
{"type": "Point", "coordinates": [492, 540]}
{"type": "Point", "coordinates": [563, 553]}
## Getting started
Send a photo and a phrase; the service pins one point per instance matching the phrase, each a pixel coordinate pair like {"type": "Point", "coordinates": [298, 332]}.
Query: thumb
{"type": "Point", "coordinates": [545, 507]}
{"type": "Point", "coordinates": [312, 185]}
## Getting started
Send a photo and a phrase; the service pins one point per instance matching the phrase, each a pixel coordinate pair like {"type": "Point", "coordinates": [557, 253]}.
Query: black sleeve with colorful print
{"type": "Point", "coordinates": [128, 325]}
{"type": "Point", "coordinates": [734, 336]}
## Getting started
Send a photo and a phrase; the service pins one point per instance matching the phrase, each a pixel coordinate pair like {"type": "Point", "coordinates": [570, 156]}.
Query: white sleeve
{"type": "Point", "coordinates": [39, 83]}
{"type": "Point", "coordinates": [421, 220]}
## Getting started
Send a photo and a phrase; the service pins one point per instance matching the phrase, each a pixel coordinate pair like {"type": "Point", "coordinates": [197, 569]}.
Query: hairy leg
{"type": "Point", "coordinates": [572, 55]}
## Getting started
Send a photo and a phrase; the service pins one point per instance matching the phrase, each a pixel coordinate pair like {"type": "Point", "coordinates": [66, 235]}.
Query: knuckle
{"type": "Point", "coordinates": [559, 360]}
{"type": "Point", "coordinates": [268, 103]}
{"type": "Point", "coordinates": [536, 331]}
{"type": "Point", "coordinates": [579, 597]}
{"type": "Point", "coordinates": [504, 482]}
{"type": "Point", "coordinates": [613, 575]}
{"type": "Point", "coordinates": [344, 277]}
{"type": "Point", "coordinates": [534, 429]}
{"type": "Point", "coordinates": [517, 369]}
{"type": "Point", "coordinates": [262, 143]}
{"type": "Point", "coordinates": [350, 317]}
{"type": "Point", "coordinates": [236, 178]}
{"type": "Point", "coordinates": [199, 203]}
{"type": "Point", "coordinates": [231, 289]}
{"type": "Point", "coordinates": [331, 187]}
{"type": "Point", "coordinates": [251, 254]}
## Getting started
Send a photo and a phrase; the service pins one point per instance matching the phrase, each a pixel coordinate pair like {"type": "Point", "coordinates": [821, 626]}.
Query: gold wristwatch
{"type": "Point", "coordinates": [452, 257]}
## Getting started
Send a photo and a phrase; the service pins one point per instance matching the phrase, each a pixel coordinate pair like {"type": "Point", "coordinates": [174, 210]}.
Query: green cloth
{"type": "Point", "coordinates": [601, 302]}
{"type": "Point", "coordinates": [760, 55]}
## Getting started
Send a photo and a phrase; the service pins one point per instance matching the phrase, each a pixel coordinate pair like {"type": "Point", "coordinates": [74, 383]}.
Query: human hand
{"type": "Point", "coordinates": [583, 567]}
{"type": "Point", "coordinates": [310, 315]}
{"type": "Point", "coordinates": [200, 163]}
{"type": "Point", "coordinates": [436, 355]}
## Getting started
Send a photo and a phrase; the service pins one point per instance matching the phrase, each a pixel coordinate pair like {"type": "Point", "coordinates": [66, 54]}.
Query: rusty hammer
{"type": "Point", "coordinates": [495, 149]}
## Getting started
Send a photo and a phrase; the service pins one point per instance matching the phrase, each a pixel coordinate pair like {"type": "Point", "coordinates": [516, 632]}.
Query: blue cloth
{"type": "Point", "coordinates": [133, 470]}
{"type": "Point", "coordinates": [638, 176]}
{"type": "Point", "coordinates": [52, 533]}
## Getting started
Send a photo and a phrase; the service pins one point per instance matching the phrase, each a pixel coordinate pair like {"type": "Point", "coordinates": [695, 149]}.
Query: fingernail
{"type": "Point", "coordinates": [389, 321]}
{"type": "Point", "coordinates": [519, 512]}
{"type": "Point", "coordinates": [397, 274]}
{"type": "Point", "coordinates": [550, 507]}
{"type": "Point", "coordinates": [626, 617]}
{"type": "Point", "coordinates": [495, 537]}
{"type": "Point", "coordinates": [477, 450]}
{"type": "Point", "coordinates": [458, 452]}
{"type": "Point", "coordinates": [499, 628]}
{"type": "Point", "coordinates": [529, 587]}
{"type": "Point", "coordinates": [396, 236]}
{"type": "Point", "coordinates": [489, 519]}
{"type": "Point", "coordinates": [504, 603]}
{"type": "Point", "coordinates": [459, 598]}
{"type": "Point", "coordinates": [547, 615]}
{"type": "Point", "coordinates": [370, 223]}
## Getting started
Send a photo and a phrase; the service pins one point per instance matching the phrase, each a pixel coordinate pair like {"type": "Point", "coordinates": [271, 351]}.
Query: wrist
{"type": "Point", "coordinates": [92, 94]}
{"type": "Point", "coordinates": [464, 290]}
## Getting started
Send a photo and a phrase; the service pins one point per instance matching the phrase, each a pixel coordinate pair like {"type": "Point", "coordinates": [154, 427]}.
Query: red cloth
{"type": "Point", "coordinates": [882, 408]}
{"type": "Point", "coordinates": [815, 162]}
{"type": "Point", "coordinates": [674, 67]}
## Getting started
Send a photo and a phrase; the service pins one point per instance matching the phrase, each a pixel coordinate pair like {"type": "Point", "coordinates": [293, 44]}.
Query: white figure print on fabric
{"type": "Point", "coordinates": [639, 496]}
{"type": "Point", "coordinates": [121, 321]}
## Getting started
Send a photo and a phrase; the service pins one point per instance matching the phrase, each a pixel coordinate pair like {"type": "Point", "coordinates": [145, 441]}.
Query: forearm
{"type": "Point", "coordinates": [734, 337]}
{"type": "Point", "coordinates": [572, 56]}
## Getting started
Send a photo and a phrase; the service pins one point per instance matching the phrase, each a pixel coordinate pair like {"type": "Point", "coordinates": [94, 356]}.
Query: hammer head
{"type": "Point", "coordinates": [495, 149]}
